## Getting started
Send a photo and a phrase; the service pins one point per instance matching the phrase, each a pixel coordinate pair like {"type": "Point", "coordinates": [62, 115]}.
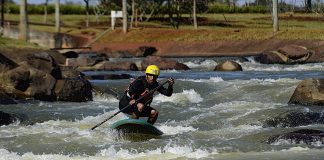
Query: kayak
{"type": "Point", "coordinates": [137, 126]}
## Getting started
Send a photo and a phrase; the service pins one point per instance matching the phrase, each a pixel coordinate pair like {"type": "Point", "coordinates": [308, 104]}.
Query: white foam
{"type": "Point", "coordinates": [185, 97]}
{"type": "Point", "coordinates": [167, 152]}
{"type": "Point", "coordinates": [173, 130]}
{"type": "Point", "coordinates": [296, 149]}
{"type": "Point", "coordinates": [107, 98]}
{"type": "Point", "coordinates": [252, 66]}
{"type": "Point", "coordinates": [210, 80]}
{"type": "Point", "coordinates": [209, 64]}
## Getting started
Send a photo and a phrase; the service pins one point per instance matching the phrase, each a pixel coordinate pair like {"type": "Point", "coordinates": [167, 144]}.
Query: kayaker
{"type": "Point", "coordinates": [140, 87]}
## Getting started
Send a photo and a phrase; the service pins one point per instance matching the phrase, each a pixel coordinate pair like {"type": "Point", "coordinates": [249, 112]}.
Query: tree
{"type": "Point", "coordinates": [275, 16]}
{"type": "Point", "coordinates": [2, 14]}
{"type": "Point", "coordinates": [45, 11]}
{"type": "Point", "coordinates": [57, 16]}
{"type": "Point", "coordinates": [133, 14]}
{"type": "Point", "coordinates": [99, 10]}
{"type": "Point", "coordinates": [194, 6]}
{"type": "Point", "coordinates": [124, 16]}
{"type": "Point", "coordinates": [87, 12]}
{"type": "Point", "coordinates": [23, 26]}
{"type": "Point", "coordinates": [308, 5]}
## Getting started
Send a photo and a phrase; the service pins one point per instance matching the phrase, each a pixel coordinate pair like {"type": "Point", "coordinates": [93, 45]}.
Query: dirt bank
{"type": "Point", "coordinates": [212, 48]}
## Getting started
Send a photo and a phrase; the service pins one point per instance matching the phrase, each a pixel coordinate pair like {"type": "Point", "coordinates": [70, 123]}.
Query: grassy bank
{"type": "Point", "coordinates": [211, 27]}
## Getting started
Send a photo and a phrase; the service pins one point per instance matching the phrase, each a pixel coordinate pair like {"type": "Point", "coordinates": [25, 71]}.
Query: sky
{"type": "Point", "coordinates": [50, 1]}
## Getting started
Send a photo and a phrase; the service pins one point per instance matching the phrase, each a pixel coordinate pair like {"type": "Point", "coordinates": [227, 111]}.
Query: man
{"type": "Point", "coordinates": [140, 87]}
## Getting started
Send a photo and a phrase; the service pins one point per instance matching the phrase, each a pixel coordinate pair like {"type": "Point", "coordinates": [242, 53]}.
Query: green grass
{"type": "Point", "coordinates": [13, 43]}
{"type": "Point", "coordinates": [218, 27]}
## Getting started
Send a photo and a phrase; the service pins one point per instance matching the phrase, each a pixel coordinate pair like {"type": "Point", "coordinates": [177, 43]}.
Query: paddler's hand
{"type": "Point", "coordinates": [171, 81]}
{"type": "Point", "coordinates": [132, 102]}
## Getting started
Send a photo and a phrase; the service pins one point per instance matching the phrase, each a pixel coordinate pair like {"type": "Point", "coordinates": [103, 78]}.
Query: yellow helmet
{"type": "Point", "coordinates": [152, 69]}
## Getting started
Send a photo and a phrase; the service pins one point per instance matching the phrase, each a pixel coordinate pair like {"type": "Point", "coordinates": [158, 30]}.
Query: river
{"type": "Point", "coordinates": [211, 115]}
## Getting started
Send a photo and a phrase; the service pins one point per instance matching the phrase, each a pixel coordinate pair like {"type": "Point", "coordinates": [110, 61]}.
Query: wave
{"type": "Point", "coordinates": [185, 97]}
{"type": "Point", "coordinates": [210, 80]}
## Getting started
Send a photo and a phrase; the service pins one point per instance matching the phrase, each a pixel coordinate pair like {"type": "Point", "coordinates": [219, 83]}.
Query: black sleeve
{"type": "Point", "coordinates": [167, 92]}
{"type": "Point", "coordinates": [136, 89]}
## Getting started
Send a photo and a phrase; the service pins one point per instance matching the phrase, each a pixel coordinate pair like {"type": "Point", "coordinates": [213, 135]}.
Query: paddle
{"type": "Point", "coordinates": [150, 92]}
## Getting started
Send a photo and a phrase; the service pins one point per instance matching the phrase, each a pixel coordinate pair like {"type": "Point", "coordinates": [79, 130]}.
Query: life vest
{"type": "Point", "coordinates": [147, 99]}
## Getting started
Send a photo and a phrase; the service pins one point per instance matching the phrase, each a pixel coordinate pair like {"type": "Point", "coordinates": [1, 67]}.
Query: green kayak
{"type": "Point", "coordinates": [137, 126]}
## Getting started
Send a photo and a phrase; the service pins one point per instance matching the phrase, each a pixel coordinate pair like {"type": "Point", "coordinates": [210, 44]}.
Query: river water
{"type": "Point", "coordinates": [211, 115]}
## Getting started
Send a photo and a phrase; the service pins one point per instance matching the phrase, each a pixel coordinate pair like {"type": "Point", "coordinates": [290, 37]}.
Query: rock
{"type": "Point", "coordinates": [5, 98]}
{"type": "Point", "coordinates": [309, 92]}
{"type": "Point", "coordinates": [147, 50]}
{"type": "Point", "coordinates": [19, 78]}
{"type": "Point", "coordinates": [163, 64]}
{"type": "Point", "coordinates": [89, 59]}
{"type": "Point", "coordinates": [302, 136]}
{"type": "Point", "coordinates": [70, 54]}
{"type": "Point", "coordinates": [6, 118]}
{"type": "Point", "coordinates": [294, 52]}
{"type": "Point", "coordinates": [73, 90]}
{"type": "Point", "coordinates": [294, 119]}
{"type": "Point", "coordinates": [271, 57]}
{"type": "Point", "coordinates": [7, 63]}
{"type": "Point", "coordinates": [30, 82]}
{"type": "Point", "coordinates": [109, 76]}
{"type": "Point", "coordinates": [116, 66]}
{"type": "Point", "coordinates": [45, 62]}
{"type": "Point", "coordinates": [228, 66]}
{"type": "Point", "coordinates": [290, 54]}
{"type": "Point", "coordinates": [69, 72]}
{"type": "Point", "coordinates": [57, 56]}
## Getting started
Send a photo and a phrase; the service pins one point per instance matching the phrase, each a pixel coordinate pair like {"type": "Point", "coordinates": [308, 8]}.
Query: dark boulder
{"type": "Point", "coordinates": [6, 118]}
{"type": "Point", "coordinates": [73, 90]}
{"type": "Point", "coordinates": [19, 78]}
{"type": "Point", "coordinates": [303, 136]}
{"type": "Point", "coordinates": [5, 98]}
{"type": "Point", "coordinates": [309, 92]}
{"type": "Point", "coordinates": [31, 82]}
{"type": "Point", "coordinates": [69, 72]}
{"type": "Point", "coordinates": [228, 66]}
{"type": "Point", "coordinates": [44, 62]}
{"type": "Point", "coordinates": [7, 63]}
{"type": "Point", "coordinates": [294, 119]}
{"type": "Point", "coordinates": [70, 54]}
{"type": "Point", "coordinates": [147, 50]}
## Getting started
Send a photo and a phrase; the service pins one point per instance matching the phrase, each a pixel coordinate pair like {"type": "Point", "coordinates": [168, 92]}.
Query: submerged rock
{"type": "Point", "coordinates": [294, 119]}
{"type": "Point", "coordinates": [304, 136]}
{"type": "Point", "coordinates": [6, 118]}
{"type": "Point", "coordinates": [228, 66]}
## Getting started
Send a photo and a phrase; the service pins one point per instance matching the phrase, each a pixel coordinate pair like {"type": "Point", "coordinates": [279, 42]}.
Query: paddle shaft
{"type": "Point", "coordinates": [150, 92]}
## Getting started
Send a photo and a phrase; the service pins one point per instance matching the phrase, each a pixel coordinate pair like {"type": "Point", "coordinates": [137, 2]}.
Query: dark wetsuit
{"type": "Point", "coordinates": [138, 88]}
